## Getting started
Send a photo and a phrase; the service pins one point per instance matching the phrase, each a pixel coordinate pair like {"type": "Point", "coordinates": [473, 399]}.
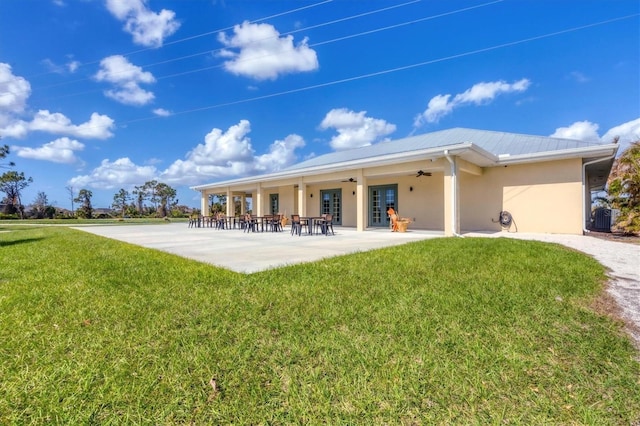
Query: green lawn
{"type": "Point", "coordinates": [465, 331]}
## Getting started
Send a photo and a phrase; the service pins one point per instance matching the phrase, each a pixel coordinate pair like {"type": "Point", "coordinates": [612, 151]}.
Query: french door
{"type": "Point", "coordinates": [380, 199]}
{"type": "Point", "coordinates": [331, 203]}
{"type": "Point", "coordinates": [274, 204]}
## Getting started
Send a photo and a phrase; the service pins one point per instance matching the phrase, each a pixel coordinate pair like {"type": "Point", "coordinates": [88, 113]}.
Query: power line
{"type": "Point", "coordinates": [212, 51]}
{"type": "Point", "coordinates": [415, 21]}
{"type": "Point", "coordinates": [392, 70]}
{"type": "Point", "coordinates": [200, 35]}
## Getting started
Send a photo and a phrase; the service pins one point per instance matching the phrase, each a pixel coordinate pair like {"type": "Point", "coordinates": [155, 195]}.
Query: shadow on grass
{"type": "Point", "coordinates": [15, 242]}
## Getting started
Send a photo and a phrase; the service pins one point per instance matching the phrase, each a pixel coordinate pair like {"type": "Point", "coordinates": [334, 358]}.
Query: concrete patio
{"type": "Point", "coordinates": [254, 251]}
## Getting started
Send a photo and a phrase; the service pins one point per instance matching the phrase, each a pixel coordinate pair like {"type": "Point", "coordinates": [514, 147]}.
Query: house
{"type": "Point", "coordinates": [456, 180]}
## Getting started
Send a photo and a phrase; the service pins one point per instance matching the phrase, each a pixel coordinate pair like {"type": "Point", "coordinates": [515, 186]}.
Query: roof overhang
{"type": "Point", "coordinates": [592, 152]}
{"type": "Point", "coordinates": [467, 151]}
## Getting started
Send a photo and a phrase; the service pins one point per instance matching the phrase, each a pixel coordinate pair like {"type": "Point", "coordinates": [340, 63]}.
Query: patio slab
{"type": "Point", "coordinates": [254, 251]}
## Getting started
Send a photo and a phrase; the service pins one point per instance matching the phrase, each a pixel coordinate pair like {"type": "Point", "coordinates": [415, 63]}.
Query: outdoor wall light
{"type": "Point", "coordinates": [411, 189]}
{"type": "Point", "coordinates": [354, 192]}
{"type": "Point", "coordinates": [311, 195]}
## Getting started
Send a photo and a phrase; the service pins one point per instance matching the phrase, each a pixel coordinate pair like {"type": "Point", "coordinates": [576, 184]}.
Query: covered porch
{"type": "Point", "coordinates": [424, 191]}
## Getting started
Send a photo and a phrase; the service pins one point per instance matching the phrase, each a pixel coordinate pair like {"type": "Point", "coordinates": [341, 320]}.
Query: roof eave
{"type": "Point", "coordinates": [347, 165]}
{"type": "Point", "coordinates": [589, 152]}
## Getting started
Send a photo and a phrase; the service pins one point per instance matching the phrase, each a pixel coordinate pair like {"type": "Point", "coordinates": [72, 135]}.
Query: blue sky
{"type": "Point", "coordinates": [109, 94]}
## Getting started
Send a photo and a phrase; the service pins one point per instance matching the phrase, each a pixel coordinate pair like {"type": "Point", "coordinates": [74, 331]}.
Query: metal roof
{"type": "Point", "coordinates": [481, 147]}
{"type": "Point", "coordinates": [500, 144]}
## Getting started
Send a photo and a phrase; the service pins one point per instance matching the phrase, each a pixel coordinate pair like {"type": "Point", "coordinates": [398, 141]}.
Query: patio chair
{"type": "Point", "coordinates": [275, 223]}
{"type": "Point", "coordinates": [296, 225]}
{"type": "Point", "coordinates": [394, 219]}
{"type": "Point", "coordinates": [250, 223]}
{"type": "Point", "coordinates": [327, 223]}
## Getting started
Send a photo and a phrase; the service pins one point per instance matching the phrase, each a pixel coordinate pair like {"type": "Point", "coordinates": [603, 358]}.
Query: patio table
{"type": "Point", "coordinates": [310, 222]}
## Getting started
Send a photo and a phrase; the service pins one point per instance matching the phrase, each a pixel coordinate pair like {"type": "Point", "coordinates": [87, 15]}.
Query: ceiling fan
{"type": "Point", "coordinates": [422, 173]}
{"type": "Point", "coordinates": [349, 180]}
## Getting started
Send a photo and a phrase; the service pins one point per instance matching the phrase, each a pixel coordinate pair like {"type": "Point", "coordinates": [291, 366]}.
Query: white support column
{"type": "Point", "coordinates": [302, 197]}
{"type": "Point", "coordinates": [230, 204]}
{"type": "Point", "coordinates": [361, 201]}
{"type": "Point", "coordinates": [243, 204]}
{"type": "Point", "coordinates": [258, 201]}
{"type": "Point", "coordinates": [204, 204]}
{"type": "Point", "coordinates": [451, 198]}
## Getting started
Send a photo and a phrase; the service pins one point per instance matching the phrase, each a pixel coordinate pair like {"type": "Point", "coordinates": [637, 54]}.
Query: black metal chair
{"type": "Point", "coordinates": [250, 223]}
{"type": "Point", "coordinates": [326, 223]}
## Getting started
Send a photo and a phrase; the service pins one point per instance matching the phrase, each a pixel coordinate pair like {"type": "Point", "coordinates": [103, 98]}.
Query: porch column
{"type": "Point", "coordinates": [230, 203]}
{"type": "Point", "coordinates": [243, 204]}
{"type": "Point", "coordinates": [204, 204]}
{"type": "Point", "coordinates": [361, 201]}
{"type": "Point", "coordinates": [302, 197]}
{"type": "Point", "coordinates": [258, 202]}
{"type": "Point", "coordinates": [451, 198]}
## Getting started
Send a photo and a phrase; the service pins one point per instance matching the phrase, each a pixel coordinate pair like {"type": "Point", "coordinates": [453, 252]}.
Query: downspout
{"type": "Point", "coordinates": [584, 190]}
{"type": "Point", "coordinates": [454, 195]}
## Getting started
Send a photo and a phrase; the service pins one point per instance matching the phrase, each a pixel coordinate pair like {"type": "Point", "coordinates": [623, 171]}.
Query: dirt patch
{"type": "Point", "coordinates": [605, 304]}
{"type": "Point", "coordinates": [616, 236]}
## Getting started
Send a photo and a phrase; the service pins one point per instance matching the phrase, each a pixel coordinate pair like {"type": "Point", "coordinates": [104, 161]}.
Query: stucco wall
{"type": "Point", "coordinates": [424, 205]}
{"type": "Point", "coordinates": [541, 197]}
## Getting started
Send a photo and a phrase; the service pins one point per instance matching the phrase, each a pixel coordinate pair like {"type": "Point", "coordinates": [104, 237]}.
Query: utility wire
{"type": "Point", "coordinates": [213, 51]}
{"type": "Point", "coordinates": [390, 27]}
{"type": "Point", "coordinates": [392, 70]}
{"type": "Point", "coordinates": [199, 35]}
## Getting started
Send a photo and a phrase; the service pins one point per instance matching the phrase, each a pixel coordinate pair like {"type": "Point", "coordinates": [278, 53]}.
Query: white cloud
{"type": "Point", "coordinates": [61, 150]}
{"type": "Point", "coordinates": [127, 78]}
{"type": "Point", "coordinates": [220, 148]}
{"type": "Point", "coordinates": [587, 131]}
{"type": "Point", "coordinates": [161, 112]}
{"type": "Point", "coordinates": [626, 132]}
{"type": "Point", "coordinates": [579, 77]}
{"type": "Point", "coordinates": [223, 154]}
{"type": "Point", "coordinates": [480, 94]}
{"type": "Point", "coordinates": [147, 27]}
{"type": "Point", "coordinates": [70, 67]}
{"type": "Point", "coordinates": [263, 54]}
{"type": "Point", "coordinates": [98, 126]}
{"type": "Point", "coordinates": [14, 92]}
{"type": "Point", "coordinates": [110, 175]}
{"type": "Point", "coordinates": [354, 128]}
{"type": "Point", "coordinates": [281, 154]}
{"type": "Point", "coordinates": [580, 130]}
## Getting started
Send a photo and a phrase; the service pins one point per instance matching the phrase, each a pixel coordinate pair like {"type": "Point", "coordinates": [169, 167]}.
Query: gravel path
{"type": "Point", "coordinates": [622, 259]}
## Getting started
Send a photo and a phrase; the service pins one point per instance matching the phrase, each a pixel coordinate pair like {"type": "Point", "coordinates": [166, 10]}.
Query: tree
{"type": "Point", "coordinates": [72, 196]}
{"type": "Point", "coordinates": [12, 183]}
{"type": "Point", "coordinates": [40, 204]}
{"type": "Point", "coordinates": [84, 198]}
{"type": "Point", "coordinates": [150, 188]}
{"type": "Point", "coordinates": [4, 151]}
{"type": "Point", "coordinates": [140, 194]}
{"type": "Point", "coordinates": [624, 189]}
{"type": "Point", "coordinates": [120, 200]}
{"type": "Point", "coordinates": [166, 196]}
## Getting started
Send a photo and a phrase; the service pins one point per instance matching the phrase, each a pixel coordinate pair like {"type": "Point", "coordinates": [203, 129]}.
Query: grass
{"type": "Point", "coordinates": [462, 331]}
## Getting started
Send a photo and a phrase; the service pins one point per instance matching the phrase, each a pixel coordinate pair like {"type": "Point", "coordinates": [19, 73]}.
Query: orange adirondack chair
{"type": "Point", "coordinates": [394, 219]}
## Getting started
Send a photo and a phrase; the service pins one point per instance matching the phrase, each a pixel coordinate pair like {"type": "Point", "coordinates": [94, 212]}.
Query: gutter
{"type": "Point", "coordinates": [454, 198]}
{"type": "Point", "coordinates": [341, 166]}
{"type": "Point", "coordinates": [584, 189]}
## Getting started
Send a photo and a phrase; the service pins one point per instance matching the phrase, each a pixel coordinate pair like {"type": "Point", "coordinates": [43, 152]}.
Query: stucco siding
{"type": "Point", "coordinates": [541, 197]}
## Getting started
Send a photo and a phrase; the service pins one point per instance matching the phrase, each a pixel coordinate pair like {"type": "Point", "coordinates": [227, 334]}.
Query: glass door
{"type": "Point", "coordinates": [380, 199]}
{"type": "Point", "coordinates": [331, 203]}
{"type": "Point", "coordinates": [274, 204]}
